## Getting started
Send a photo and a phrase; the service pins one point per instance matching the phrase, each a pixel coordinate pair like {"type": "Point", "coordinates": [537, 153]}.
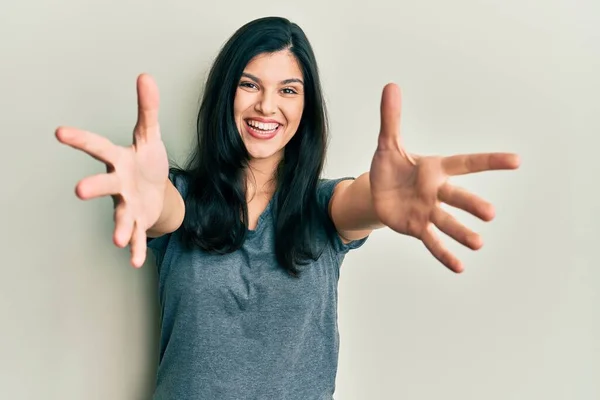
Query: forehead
{"type": "Point", "coordinates": [275, 67]}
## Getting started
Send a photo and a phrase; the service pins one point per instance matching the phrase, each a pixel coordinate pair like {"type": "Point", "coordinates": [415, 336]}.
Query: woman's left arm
{"type": "Point", "coordinates": [351, 209]}
{"type": "Point", "coordinates": [405, 192]}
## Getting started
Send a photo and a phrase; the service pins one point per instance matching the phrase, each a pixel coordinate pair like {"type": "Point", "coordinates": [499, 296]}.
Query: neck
{"type": "Point", "coordinates": [261, 177]}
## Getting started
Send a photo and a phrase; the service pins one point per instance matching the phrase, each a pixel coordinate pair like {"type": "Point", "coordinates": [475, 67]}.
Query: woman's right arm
{"type": "Point", "coordinates": [171, 216]}
{"type": "Point", "coordinates": [146, 203]}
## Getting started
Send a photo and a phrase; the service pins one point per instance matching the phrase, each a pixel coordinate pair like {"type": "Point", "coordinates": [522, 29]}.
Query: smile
{"type": "Point", "coordinates": [262, 130]}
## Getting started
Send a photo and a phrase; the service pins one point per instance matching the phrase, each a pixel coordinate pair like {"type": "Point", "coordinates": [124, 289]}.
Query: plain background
{"type": "Point", "coordinates": [523, 320]}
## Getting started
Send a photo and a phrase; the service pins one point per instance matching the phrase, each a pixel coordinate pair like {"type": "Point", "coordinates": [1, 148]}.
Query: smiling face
{"type": "Point", "coordinates": [268, 104]}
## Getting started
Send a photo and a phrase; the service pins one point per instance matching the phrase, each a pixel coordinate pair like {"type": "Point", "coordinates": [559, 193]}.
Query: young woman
{"type": "Point", "coordinates": [248, 237]}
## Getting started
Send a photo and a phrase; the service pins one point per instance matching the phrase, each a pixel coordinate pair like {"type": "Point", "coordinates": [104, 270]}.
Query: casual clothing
{"type": "Point", "coordinates": [238, 327]}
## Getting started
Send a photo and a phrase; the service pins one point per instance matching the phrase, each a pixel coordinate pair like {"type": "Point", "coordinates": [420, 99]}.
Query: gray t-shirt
{"type": "Point", "coordinates": [238, 327]}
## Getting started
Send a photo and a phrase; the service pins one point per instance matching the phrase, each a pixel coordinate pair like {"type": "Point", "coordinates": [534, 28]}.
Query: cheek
{"type": "Point", "coordinates": [294, 114]}
{"type": "Point", "coordinates": [240, 103]}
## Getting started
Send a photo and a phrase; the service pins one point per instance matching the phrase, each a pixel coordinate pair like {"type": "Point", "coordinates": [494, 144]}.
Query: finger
{"type": "Point", "coordinates": [124, 224]}
{"type": "Point", "coordinates": [391, 107]}
{"type": "Point", "coordinates": [147, 126]}
{"type": "Point", "coordinates": [446, 223]}
{"type": "Point", "coordinates": [432, 242]}
{"type": "Point", "coordinates": [96, 186]}
{"type": "Point", "coordinates": [471, 163]}
{"type": "Point", "coordinates": [469, 202]}
{"type": "Point", "coordinates": [95, 145]}
{"type": "Point", "coordinates": [138, 247]}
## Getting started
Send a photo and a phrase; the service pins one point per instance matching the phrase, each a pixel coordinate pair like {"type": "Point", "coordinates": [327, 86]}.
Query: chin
{"type": "Point", "coordinates": [264, 152]}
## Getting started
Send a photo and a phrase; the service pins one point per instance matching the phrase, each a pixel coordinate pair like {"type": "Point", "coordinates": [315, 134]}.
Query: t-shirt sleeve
{"type": "Point", "coordinates": [159, 244]}
{"type": "Point", "coordinates": [324, 194]}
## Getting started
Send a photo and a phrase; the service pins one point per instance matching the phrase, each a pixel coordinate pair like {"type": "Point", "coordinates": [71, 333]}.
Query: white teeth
{"type": "Point", "coordinates": [263, 126]}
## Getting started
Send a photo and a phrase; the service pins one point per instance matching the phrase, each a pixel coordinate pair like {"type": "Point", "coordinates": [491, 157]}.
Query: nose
{"type": "Point", "coordinates": [266, 104]}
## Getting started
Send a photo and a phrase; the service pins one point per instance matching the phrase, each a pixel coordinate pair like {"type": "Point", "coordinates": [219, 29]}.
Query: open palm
{"type": "Point", "coordinates": [408, 190]}
{"type": "Point", "coordinates": [136, 176]}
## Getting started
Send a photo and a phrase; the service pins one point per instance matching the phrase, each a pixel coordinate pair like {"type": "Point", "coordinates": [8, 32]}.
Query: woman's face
{"type": "Point", "coordinates": [268, 104]}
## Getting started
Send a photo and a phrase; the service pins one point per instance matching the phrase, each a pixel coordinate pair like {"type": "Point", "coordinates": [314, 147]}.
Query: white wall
{"type": "Point", "coordinates": [477, 75]}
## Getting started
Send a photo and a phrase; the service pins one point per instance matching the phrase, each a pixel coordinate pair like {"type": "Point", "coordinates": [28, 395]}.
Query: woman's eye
{"type": "Point", "coordinates": [289, 91]}
{"type": "Point", "coordinates": [248, 85]}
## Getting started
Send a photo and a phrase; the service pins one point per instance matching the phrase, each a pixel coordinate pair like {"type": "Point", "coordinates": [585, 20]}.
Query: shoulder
{"type": "Point", "coordinates": [326, 189]}
{"type": "Point", "coordinates": [180, 179]}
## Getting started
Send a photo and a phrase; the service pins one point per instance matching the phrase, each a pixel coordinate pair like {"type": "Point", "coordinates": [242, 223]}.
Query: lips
{"type": "Point", "coordinates": [263, 129]}
{"type": "Point", "coordinates": [259, 119]}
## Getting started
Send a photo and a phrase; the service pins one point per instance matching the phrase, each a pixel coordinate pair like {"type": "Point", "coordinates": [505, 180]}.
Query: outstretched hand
{"type": "Point", "coordinates": [136, 176]}
{"type": "Point", "coordinates": [408, 190]}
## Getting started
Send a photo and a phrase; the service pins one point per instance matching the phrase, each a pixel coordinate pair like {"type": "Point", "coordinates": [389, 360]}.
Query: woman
{"type": "Point", "coordinates": [249, 239]}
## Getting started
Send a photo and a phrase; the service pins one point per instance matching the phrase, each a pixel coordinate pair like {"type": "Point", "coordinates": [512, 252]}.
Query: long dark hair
{"type": "Point", "coordinates": [216, 209]}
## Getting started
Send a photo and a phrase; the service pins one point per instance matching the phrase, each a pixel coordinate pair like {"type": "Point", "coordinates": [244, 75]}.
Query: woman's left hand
{"type": "Point", "coordinates": [408, 190]}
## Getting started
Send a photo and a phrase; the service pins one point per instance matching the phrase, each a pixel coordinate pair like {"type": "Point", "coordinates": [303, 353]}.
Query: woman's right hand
{"type": "Point", "coordinates": [136, 176]}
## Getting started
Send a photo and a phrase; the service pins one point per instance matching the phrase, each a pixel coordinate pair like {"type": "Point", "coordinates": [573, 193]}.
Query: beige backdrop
{"type": "Point", "coordinates": [477, 75]}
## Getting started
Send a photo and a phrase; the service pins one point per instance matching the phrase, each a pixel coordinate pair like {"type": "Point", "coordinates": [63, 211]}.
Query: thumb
{"type": "Point", "coordinates": [391, 107]}
{"type": "Point", "coordinates": [147, 126]}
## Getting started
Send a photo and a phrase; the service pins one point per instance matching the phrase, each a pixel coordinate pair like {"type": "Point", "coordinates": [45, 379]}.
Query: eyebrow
{"type": "Point", "coordinates": [283, 82]}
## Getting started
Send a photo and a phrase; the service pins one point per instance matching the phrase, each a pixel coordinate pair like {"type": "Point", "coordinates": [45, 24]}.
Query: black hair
{"type": "Point", "coordinates": [216, 210]}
